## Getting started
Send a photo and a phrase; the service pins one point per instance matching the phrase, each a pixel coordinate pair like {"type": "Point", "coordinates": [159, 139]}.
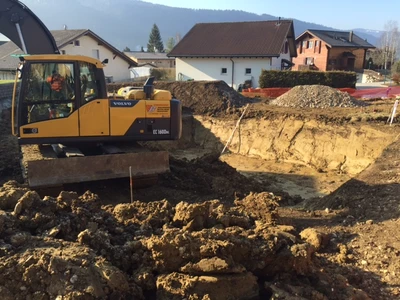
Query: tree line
{"type": "Point", "coordinates": [385, 55]}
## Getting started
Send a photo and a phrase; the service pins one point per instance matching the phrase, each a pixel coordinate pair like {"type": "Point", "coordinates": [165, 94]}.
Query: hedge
{"type": "Point", "coordinates": [335, 79]}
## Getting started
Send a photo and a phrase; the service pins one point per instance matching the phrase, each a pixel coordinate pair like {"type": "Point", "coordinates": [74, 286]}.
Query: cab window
{"type": "Point", "coordinates": [89, 84]}
{"type": "Point", "coordinates": [48, 92]}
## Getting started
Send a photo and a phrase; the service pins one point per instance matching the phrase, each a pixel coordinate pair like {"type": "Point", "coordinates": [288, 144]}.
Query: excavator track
{"type": "Point", "coordinates": [43, 167]}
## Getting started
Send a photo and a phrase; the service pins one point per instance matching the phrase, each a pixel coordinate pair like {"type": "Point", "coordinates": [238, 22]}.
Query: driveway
{"type": "Point", "coordinates": [372, 85]}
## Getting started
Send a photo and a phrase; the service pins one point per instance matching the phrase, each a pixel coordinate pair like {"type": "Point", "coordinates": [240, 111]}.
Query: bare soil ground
{"type": "Point", "coordinates": [207, 231]}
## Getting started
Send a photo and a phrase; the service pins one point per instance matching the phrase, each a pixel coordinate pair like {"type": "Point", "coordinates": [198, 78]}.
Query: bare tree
{"type": "Point", "coordinates": [389, 43]}
{"type": "Point", "coordinates": [178, 37]}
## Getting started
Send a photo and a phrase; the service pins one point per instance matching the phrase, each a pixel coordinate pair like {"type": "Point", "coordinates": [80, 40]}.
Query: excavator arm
{"type": "Point", "coordinates": [25, 29]}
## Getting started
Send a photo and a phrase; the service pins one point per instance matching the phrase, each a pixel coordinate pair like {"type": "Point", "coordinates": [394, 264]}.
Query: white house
{"type": "Point", "coordinates": [75, 42]}
{"type": "Point", "coordinates": [234, 52]}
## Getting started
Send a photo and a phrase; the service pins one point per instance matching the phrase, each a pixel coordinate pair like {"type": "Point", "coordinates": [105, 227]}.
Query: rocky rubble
{"type": "Point", "coordinates": [316, 96]}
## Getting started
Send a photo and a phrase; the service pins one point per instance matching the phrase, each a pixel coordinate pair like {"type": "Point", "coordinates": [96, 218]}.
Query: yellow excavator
{"type": "Point", "coordinates": [60, 102]}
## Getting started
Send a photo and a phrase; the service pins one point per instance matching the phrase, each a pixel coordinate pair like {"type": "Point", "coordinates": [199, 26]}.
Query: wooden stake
{"type": "Point", "coordinates": [393, 111]}
{"type": "Point", "coordinates": [233, 132]}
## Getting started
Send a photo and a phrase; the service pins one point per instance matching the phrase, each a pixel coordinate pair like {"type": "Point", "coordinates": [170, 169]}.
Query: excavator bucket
{"type": "Point", "coordinates": [56, 172]}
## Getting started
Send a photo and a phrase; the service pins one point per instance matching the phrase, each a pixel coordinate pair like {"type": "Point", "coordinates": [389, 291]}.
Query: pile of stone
{"type": "Point", "coordinates": [316, 96]}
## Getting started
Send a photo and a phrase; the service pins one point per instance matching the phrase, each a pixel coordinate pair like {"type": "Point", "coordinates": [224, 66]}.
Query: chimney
{"type": "Point", "coordinates": [351, 36]}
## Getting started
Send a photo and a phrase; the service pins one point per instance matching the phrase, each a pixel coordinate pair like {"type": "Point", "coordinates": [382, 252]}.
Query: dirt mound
{"type": "Point", "coordinates": [71, 247]}
{"type": "Point", "coordinates": [316, 96]}
{"type": "Point", "coordinates": [9, 150]}
{"type": "Point", "coordinates": [214, 98]}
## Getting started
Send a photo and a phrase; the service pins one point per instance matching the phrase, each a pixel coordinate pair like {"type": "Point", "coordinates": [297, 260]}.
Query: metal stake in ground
{"type": "Point", "coordinates": [131, 182]}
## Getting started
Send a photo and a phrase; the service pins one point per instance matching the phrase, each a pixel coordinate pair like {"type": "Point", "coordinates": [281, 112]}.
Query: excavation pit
{"type": "Point", "coordinates": [228, 226]}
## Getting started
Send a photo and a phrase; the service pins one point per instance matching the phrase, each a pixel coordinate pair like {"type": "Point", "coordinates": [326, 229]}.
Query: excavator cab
{"type": "Point", "coordinates": [52, 90]}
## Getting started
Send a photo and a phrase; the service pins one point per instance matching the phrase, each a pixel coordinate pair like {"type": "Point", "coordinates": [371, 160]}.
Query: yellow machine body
{"type": "Point", "coordinates": [63, 100]}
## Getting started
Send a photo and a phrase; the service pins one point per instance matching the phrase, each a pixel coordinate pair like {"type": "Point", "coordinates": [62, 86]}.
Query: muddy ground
{"type": "Point", "coordinates": [236, 226]}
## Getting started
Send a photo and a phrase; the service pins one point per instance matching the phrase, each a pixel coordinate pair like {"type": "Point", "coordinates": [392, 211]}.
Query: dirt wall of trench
{"type": "Point", "coordinates": [347, 148]}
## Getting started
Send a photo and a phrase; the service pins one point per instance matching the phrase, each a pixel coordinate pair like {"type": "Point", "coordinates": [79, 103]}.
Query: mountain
{"type": "Point", "coordinates": [128, 23]}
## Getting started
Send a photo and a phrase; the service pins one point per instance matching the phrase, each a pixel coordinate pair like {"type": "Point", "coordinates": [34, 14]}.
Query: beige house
{"type": "Point", "coordinates": [157, 59]}
{"type": "Point", "coordinates": [74, 42]}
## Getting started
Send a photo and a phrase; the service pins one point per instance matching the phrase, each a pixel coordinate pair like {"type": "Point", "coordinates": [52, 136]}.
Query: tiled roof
{"type": "Point", "coordinates": [62, 38]}
{"type": "Point", "coordinates": [147, 55]}
{"type": "Point", "coordinates": [8, 62]}
{"type": "Point", "coordinates": [338, 38]}
{"type": "Point", "coordinates": [237, 39]}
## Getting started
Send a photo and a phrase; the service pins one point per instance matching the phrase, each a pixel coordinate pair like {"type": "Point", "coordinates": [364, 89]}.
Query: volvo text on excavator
{"type": "Point", "coordinates": [61, 103]}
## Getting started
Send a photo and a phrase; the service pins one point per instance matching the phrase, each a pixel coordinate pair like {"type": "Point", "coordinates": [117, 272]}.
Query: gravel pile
{"type": "Point", "coordinates": [318, 96]}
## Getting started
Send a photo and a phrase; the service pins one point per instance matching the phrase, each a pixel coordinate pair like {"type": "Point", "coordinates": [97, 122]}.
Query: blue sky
{"type": "Point", "coordinates": [340, 14]}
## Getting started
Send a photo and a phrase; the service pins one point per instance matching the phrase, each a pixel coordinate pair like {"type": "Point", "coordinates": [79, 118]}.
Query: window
{"type": "Point", "coordinates": [286, 47]}
{"type": "Point", "coordinates": [88, 83]}
{"type": "Point", "coordinates": [224, 71]}
{"type": "Point", "coordinates": [96, 53]}
{"type": "Point", "coordinates": [63, 52]}
{"type": "Point", "coordinates": [316, 43]}
{"type": "Point", "coordinates": [77, 43]}
{"type": "Point", "coordinates": [49, 92]}
{"type": "Point", "coordinates": [309, 61]}
{"type": "Point", "coordinates": [332, 62]}
{"type": "Point", "coordinates": [248, 71]}
{"type": "Point", "coordinates": [304, 44]}
{"type": "Point", "coordinates": [310, 44]}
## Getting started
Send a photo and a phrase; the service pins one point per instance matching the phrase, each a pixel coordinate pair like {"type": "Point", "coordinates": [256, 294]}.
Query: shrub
{"type": "Point", "coordinates": [336, 79]}
{"type": "Point", "coordinates": [163, 73]}
{"type": "Point", "coordinates": [396, 78]}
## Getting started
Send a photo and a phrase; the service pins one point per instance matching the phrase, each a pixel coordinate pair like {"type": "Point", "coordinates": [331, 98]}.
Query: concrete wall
{"type": "Point", "coordinates": [210, 69]}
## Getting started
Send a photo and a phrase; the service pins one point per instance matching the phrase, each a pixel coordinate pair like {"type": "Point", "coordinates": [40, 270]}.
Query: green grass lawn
{"type": "Point", "coordinates": [6, 81]}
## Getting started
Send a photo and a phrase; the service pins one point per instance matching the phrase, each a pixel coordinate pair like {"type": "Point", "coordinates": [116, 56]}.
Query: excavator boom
{"type": "Point", "coordinates": [25, 29]}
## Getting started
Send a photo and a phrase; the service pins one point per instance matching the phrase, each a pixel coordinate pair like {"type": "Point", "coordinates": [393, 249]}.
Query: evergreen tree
{"type": "Point", "coordinates": [155, 43]}
{"type": "Point", "coordinates": [126, 49]}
